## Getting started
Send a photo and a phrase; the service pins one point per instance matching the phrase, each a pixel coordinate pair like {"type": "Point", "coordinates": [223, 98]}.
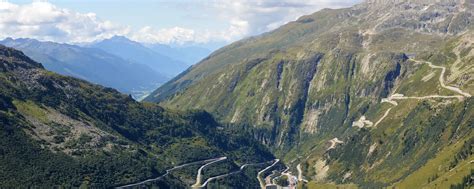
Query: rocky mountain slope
{"type": "Point", "coordinates": [58, 131]}
{"type": "Point", "coordinates": [377, 94]}
{"type": "Point", "coordinates": [93, 65]}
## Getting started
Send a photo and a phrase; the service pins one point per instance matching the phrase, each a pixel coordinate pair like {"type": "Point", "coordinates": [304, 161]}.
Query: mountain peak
{"type": "Point", "coordinates": [120, 38]}
{"type": "Point", "coordinates": [10, 40]}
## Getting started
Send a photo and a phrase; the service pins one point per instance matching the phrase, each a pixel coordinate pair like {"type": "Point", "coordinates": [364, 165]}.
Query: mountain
{"type": "Point", "coordinates": [187, 54]}
{"type": "Point", "coordinates": [58, 131]}
{"type": "Point", "coordinates": [90, 64]}
{"type": "Point", "coordinates": [376, 95]}
{"type": "Point", "coordinates": [136, 52]}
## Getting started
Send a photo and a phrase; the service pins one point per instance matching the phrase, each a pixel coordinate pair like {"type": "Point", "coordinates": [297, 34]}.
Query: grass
{"type": "Point", "coordinates": [31, 109]}
{"type": "Point", "coordinates": [391, 123]}
{"type": "Point", "coordinates": [314, 185]}
{"type": "Point", "coordinates": [438, 167]}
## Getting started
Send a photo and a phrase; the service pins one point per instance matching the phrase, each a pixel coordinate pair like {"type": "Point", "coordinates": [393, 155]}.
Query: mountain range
{"type": "Point", "coordinates": [376, 95]}
{"type": "Point", "coordinates": [91, 64]}
{"type": "Point", "coordinates": [117, 62]}
{"type": "Point", "coordinates": [189, 54]}
{"type": "Point", "coordinates": [138, 53]}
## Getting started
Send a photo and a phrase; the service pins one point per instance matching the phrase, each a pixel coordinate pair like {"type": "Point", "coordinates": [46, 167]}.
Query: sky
{"type": "Point", "coordinates": [152, 21]}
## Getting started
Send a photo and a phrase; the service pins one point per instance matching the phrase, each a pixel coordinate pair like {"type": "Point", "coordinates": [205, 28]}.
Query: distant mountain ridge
{"type": "Point", "coordinates": [91, 64]}
{"type": "Point", "coordinates": [187, 54]}
{"type": "Point", "coordinates": [138, 53]}
{"type": "Point", "coordinates": [118, 62]}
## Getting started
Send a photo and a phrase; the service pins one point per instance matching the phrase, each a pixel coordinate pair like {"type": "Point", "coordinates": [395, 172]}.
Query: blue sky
{"type": "Point", "coordinates": [141, 13]}
{"type": "Point", "coordinates": [147, 21]}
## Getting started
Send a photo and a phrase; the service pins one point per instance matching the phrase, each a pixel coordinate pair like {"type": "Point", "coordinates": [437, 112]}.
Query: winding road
{"type": "Point", "coordinates": [260, 179]}
{"type": "Point", "coordinates": [167, 172]}
{"type": "Point", "coordinates": [207, 162]}
{"type": "Point", "coordinates": [441, 78]}
{"type": "Point", "coordinates": [282, 173]}
{"type": "Point", "coordinates": [199, 174]}
{"type": "Point", "coordinates": [391, 99]}
{"type": "Point", "coordinates": [228, 174]}
{"type": "Point", "coordinates": [292, 180]}
{"type": "Point", "coordinates": [300, 173]}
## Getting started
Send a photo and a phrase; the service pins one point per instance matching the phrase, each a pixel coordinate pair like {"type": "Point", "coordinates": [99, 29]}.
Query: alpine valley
{"type": "Point", "coordinates": [378, 95]}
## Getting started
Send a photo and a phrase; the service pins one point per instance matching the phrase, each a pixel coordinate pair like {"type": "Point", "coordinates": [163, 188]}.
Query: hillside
{"type": "Point", "coordinates": [370, 95]}
{"type": "Point", "coordinates": [58, 131]}
{"type": "Point", "coordinates": [92, 65]}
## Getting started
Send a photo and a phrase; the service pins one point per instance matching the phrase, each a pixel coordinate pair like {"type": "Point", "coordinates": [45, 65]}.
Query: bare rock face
{"type": "Point", "coordinates": [429, 16]}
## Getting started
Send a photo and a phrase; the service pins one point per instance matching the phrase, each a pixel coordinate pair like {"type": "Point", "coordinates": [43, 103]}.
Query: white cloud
{"type": "Point", "coordinates": [45, 21]}
{"type": "Point", "coordinates": [264, 15]}
{"type": "Point", "coordinates": [176, 35]}
{"type": "Point", "coordinates": [243, 17]}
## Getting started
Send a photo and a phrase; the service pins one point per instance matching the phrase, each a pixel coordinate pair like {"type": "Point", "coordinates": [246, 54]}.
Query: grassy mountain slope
{"type": "Point", "coordinates": [312, 82]}
{"type": "Point", "coordinates": [60, 131]}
